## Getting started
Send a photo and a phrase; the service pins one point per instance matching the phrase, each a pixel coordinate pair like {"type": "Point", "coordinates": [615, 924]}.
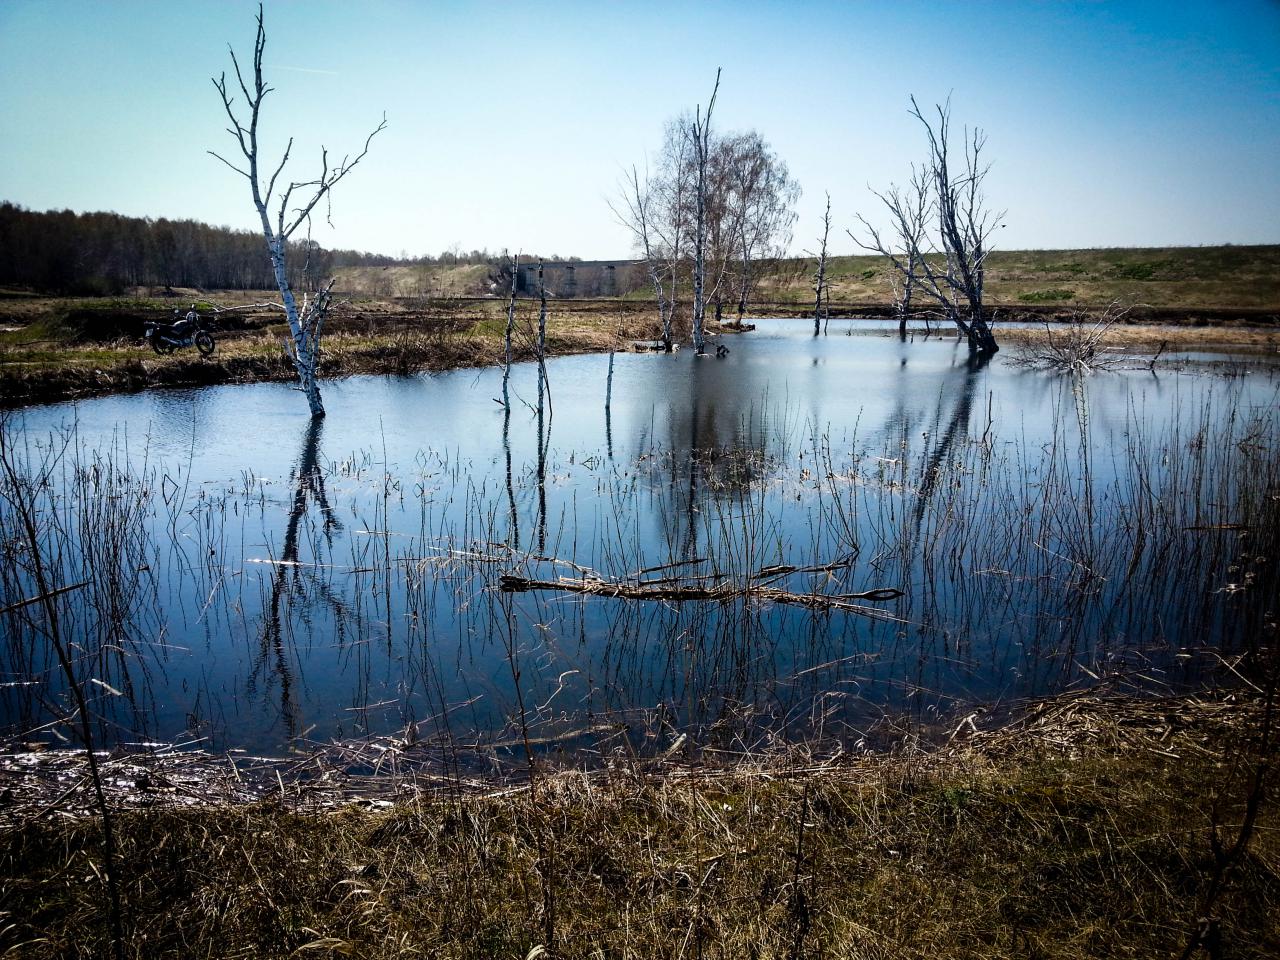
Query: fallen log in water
{"type": "Point", "coordinates": [667, 590]}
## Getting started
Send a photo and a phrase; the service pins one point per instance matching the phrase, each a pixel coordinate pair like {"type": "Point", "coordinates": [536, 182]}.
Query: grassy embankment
{"type": "Point", "coordinates": [1172, 281]}
{"type": "Point", "coordinates": [1186, 279]}
{"type": "Point", "coordinates": [1084, 829]}
{"type": "Point", "coordinates": [1211, 296]}
{"type": "Point", "coordinates": [52, 348]}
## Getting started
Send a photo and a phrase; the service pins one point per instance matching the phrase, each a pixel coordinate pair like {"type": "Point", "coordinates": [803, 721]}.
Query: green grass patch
{"type": "Point", "coordinates": [1145, 270]}
{"type": "Point", "coordinates": [1047, 296]}
{"type": "Point", "coordinates": [1173, 277]}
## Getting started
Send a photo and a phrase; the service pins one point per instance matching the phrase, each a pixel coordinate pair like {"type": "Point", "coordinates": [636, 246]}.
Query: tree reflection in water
{"type": "Point", "coordinates": [292, 580]}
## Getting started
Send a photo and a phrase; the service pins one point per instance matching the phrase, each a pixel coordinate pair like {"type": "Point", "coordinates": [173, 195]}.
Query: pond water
{"type": "Point", "coordinates": [250, 579]}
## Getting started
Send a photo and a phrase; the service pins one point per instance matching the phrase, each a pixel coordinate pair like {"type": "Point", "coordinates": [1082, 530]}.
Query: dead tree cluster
{"type": "Point", "coordinates": [1077, 346]}
{"type": "Point", "coordinates": [715, 212]}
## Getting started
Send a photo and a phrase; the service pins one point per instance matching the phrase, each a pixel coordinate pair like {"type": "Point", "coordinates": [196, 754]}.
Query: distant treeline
{"type": "Point", "coordinates": [96, 254]}
{"type": "Point", "coordinates": [105, 253]}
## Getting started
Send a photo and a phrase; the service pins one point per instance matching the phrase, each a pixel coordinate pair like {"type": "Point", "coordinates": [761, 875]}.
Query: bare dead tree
{"type": "Point", "coordinates": [909, 210]}
{"type": "Point", "coordinates": [512, 514]}
{"type": "Point", "coordinates": [305, 324]}
{"type": "Point", "coordinates": [700, 133]}
{"type": "Point", "coordinates": [541, 342]}
{"type": "Point", "coordinates": [511, 325]}
{"type": "Point", "coordinates": [716, 208]}
{"type": "Point", "coordinates": [964, 224]}
{"type": "Point", "coordinates": [671, 219]}
{"type": "Point", "coordinates": [820, 275]}
{"type": "Point", "coordinates": [637, 214]}
{"type": "Point", "coordinates": [544, 413]}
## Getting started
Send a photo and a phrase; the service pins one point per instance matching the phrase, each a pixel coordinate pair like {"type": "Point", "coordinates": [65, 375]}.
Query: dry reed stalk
{"type": "Point", "coordinates": [1063, 834]}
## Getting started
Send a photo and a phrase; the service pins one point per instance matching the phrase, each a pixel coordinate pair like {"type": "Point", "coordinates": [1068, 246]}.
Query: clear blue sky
{"type": "Point", "coordinates": [1110, 124]}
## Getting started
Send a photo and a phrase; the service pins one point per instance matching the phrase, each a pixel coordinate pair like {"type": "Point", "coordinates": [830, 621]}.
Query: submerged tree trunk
{"type": "Point", "coordinates": [305, 328]}
{"type": "Point", "coordinates": [981, 340]}
{"type": "Point", "coordinates": [608, 390]}
{"type": "Point", "coordinates": [542, 335]}
{"type": "Point", "coordinates": [820, 278]}
{"type": "Point", "coordinates": [702, 147]}
{"type": "Point", "coordinates": [668, 323]}
{"type": "Point", "coordinates": [511, 323]}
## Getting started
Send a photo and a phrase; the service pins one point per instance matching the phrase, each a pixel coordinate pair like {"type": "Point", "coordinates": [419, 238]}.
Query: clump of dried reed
{"type": "Point", "coordinates": [1079, 345]}
{"type": "Point", "coordinates": [1080, 829]}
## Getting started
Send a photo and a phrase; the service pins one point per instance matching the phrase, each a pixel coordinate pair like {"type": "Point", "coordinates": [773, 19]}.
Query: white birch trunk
{"type": "Point", "coordinates": [305, 327]}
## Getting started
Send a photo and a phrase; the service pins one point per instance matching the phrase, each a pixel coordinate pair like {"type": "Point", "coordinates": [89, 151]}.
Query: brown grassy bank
{"type": "Point", "coordinates": [1224, 318]}
{"type": "Point", "coordinates": [1187, 279]}
{"type": "Point", "coordinates": [1147, 337]}
{"type": "Point", "coordinates": [50, 359]}
{"type": "Point", "coordinates": [1081, 830]}
{"type": "Point", "coordinates": [58, 349]}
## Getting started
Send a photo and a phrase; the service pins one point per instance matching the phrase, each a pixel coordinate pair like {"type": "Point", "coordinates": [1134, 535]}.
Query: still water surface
{"type": "Point", "coordinates": [340, 579]}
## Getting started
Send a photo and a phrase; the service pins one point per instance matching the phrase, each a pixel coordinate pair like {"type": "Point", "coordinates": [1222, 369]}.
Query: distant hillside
{"type": "Point", "coordinates": [1239, 277]}
{"type": "Point", "coordinates": [418, 280]}
{"type": "Point", "coordinates": [1226, 276]}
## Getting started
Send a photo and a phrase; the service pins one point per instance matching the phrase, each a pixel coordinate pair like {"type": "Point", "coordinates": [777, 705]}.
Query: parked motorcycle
{"type": "Point", "coordinates": [165, 338]}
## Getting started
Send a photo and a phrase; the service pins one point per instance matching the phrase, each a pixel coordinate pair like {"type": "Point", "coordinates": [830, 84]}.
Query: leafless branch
{"type": "Point", "coordinates": [306, 326]}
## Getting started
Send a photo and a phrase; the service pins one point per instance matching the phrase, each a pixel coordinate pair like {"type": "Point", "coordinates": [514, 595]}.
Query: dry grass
{"type": "Point", "coordinates": [1081, 830]}
{"type": "Point", "coordinates": [1143, 336]}
{"type": "Point", "coordinates": [365, 337]}
{"type": "Point", "coordinates": [434, 280]}
{"type": "Point", "coordinates": [44, 356]}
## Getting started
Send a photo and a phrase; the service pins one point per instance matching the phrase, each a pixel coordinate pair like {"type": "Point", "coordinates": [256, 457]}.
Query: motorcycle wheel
{"type": "Point", "coordinates": [161, 346]}
{"type": "Point", "coordinates": [204, 343]}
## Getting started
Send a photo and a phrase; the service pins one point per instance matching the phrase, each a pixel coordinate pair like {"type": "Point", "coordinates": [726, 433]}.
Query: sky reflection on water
{"type": "Point", "coordinates": [336, 579]}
